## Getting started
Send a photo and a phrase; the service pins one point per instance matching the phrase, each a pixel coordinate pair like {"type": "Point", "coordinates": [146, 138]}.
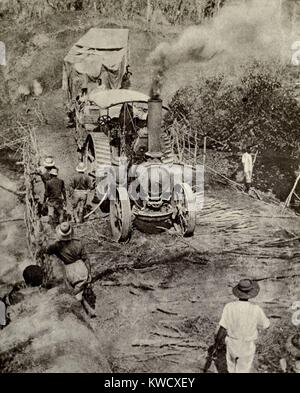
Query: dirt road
{"type": "Point", "coordinates": [159, 309]}
{"type": "Point", "coordinates": [164, 317]}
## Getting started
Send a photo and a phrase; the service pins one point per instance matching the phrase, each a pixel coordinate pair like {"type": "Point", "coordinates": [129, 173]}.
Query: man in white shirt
{"type": "Point", "coordinates": [248, 167]}
{"type": "Point", "coordinates": [239, 323]}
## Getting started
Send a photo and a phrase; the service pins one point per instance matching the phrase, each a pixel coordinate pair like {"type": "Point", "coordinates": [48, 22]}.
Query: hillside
{"type": "Point", "coordinates": [159, 297]}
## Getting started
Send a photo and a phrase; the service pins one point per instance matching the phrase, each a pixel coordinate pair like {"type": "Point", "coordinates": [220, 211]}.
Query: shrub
{"type": "Point", "coordinates": [175, 11]}
{"type": "Point", "coordinates": [256, 108]}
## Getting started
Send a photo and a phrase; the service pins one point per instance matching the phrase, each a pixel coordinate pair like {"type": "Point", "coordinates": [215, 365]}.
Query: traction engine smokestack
{"type": "Point", "coordinates": [154, 127]}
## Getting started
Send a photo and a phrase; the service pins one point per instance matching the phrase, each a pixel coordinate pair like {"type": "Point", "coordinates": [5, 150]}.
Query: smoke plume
{"type": "Point", "coordinates": [238, 34]}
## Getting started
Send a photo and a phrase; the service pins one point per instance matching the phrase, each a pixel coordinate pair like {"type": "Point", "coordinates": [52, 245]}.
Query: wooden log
{"type": "Point", "coordinates": [277, 277]}
{"type": "Point", "coordinates": [296, 238]}
{"type": "Point", "coordinates": [277, 217]}
{"type": "Point", "coordinates": [17, 193]}
{"type": "Point", "coordinates": [166, 311]}
{"type": "Point", "coordinates": [11, 220]}
{"type": "Point", "coordinates": [237, 185]}
{"type": "Point", "coordinates": [140, 285]}
{"type": "Point", "coordinates": [297, 196]}
{"type": "Point", "coordinates": [165, 334]}
{"type": "Point", "coordinates": [289, 198]}
{"type": "Point", "coordinates": [256, 193]}
{"type": "Point", "coordinates": [162, 344]}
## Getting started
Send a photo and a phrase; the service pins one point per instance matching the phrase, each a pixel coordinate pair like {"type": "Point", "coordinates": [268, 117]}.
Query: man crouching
{"type": "Point", "coordinates": [77, 266]}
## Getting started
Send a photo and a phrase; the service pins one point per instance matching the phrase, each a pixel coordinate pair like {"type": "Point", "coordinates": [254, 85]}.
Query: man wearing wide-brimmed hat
{"type": "Point", "coordinates": [44, 170]}
{"type": "Point", "coordinates": [55, 197]}
{"type": "Point", "coordinates": [80, 185]}
{"type": "Point", "coordinates": [239, 323]}
{"type": "Point", "coordinates": [72, 253]}
{"type": "Point", "coordinates": [247, 162]}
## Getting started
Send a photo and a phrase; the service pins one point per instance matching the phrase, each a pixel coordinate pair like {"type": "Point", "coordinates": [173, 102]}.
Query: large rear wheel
{"type": "Point", "coordinates": [184, 204]}
{"type": "Point", "coordinates": [120, 215]}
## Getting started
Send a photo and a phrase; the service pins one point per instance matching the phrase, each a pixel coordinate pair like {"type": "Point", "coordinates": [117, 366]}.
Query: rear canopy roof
{"type": "Point", "coordinates": [107, 98]}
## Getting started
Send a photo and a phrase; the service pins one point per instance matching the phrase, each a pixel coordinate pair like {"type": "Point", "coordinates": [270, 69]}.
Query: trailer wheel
{"type": "Point", "coordinates": [120, 215]}
{"type": "Point", "coordinates": [103, 120]}
{"type": "Point", "coordinates": [184, 204]}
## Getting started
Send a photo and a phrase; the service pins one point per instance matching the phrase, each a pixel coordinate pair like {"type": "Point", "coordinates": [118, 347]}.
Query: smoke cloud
{"type": "Point", "coordinates": [238, 34]}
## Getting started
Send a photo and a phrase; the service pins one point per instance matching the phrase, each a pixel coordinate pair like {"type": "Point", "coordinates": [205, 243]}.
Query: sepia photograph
{"type": "Point", "coordinates": [150, 189]}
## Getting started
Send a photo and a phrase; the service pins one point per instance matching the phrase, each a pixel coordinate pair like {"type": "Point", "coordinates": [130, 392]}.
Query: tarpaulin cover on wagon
{"type": "Point", "coordinates": [100, 56]}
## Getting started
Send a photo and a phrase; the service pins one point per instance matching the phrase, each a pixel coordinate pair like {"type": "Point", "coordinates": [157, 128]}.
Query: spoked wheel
{"type": "Point", "coordinates": [103, 120]}
{"type": "Point", "coordinates": [184, 203]}
{"type": "Point", "coordinates": [120, 215]}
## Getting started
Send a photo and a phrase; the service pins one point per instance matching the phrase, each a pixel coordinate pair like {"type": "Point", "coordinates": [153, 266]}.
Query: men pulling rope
{"type": "Point", "coordinates": [67, 248]}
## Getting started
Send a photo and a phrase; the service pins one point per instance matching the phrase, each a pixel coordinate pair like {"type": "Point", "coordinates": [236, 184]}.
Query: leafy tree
{"type": "Point", "coordinates": [257, 108]}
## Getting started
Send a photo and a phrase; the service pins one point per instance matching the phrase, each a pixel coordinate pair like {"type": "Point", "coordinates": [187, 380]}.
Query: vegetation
{"type": "Point", "coordinates": [255, 109]}
{"type": "Point", "coordinates": [175, 11]}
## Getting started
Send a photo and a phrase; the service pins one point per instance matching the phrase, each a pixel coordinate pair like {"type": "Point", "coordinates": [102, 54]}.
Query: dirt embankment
{"type": "Point", "coordinates": [48, 331]}
{"type": "Point", "coordinates": [13, 246]}
{"type": "Point", "coordinates": [159, 297]}
{"type": "Point", "coordinates": [49, 334]}
{"type": "Point", "coordinates": [161, 312]}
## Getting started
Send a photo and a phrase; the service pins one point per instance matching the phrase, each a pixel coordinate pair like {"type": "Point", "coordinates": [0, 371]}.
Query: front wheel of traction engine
{"type": "Point", "coordinates": [120, 215]}
{"type": "Point", "coordinates": [184, 204]}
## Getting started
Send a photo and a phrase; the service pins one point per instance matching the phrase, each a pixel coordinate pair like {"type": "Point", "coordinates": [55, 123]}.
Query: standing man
{"type": "Point", "coordinates": [248, 168]}
{"type": "Point", "coordinates": [55, 197]}
{"type": "Point", "coordinates": [77, 266]}
{"type": "Point", "coordinates": [239, 323]}
{"type": "Point", "coordinates": [44, 170]}
{"type": "Point", "coordinates": [80, 185]}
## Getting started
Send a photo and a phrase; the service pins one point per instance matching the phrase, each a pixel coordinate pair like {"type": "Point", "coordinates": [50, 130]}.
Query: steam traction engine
{"type": "Point", "coordinates": [153, 194]}
{"type": "Point", "coordinates": [121, 143]}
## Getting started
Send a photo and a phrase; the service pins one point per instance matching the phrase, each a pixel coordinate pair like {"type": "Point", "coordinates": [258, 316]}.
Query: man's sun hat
{"type": "Point", "coordinates": [54, 172]}
{"type": "Point", "coordinates": [293, 345]}
{"type": "Point", "coordinates": [64, 231]}
{"type": "Point", "coordinates": [81, 167]}
{"type": "Point", "coordinates": [48, 162]}
{"type": "Point", "coordinates": [246, 289]}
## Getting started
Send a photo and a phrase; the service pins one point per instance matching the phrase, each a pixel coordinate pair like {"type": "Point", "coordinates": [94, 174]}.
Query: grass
{"type": "Point", "coordinates": [174, 11]}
